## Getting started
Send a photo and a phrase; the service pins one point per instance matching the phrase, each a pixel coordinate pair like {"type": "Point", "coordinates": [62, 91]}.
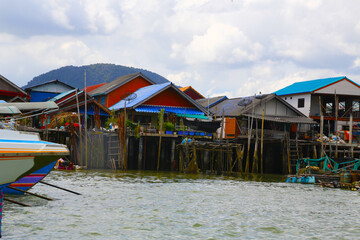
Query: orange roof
{"type": "Point", "coordinates": [93, 87]}
{"type": "Point", "coordinates": [184, 89]}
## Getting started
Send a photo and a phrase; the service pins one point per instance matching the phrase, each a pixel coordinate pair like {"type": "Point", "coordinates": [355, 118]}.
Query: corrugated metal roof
{"type": "Point", "coordinates": [167, 109]}
{"type": "Point", "coordinates": [211, 101]}
{"type": "Point", "coordinates": [116, 83]}
{"type": "Point", "coordinates": [238, 106]}
{"type": "Point", "coordinates": [12, 84]}
{"type": "Point", "coordinates": [55, 81]}
{"type": "Point", "coordinates": [243, 106]}
{"type": "Point", "coordinates": [284, 119]}
{"type": "Point", "coordinates": [309, 86]}
{"type": "Point", "coordinates": [139, 96]}
{"type": "Point", "coordinates": [9, 110]}
{"type": "Point", "coordinates": [31, 105]}
{"type": "Point", "coordinates": [184, 89]}
{"type": "Point", "coordinates": [61, 95]}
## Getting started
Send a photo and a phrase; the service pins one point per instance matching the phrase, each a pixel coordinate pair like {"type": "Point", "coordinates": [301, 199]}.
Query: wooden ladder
{"type": "Point", "coordinates": [113, 151]}
{"type": "Point", "coordinates": [293, 153]}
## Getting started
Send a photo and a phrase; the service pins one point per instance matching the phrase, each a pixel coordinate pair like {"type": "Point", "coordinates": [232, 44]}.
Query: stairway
{"type": "Point", "coordinates": [293, 153]}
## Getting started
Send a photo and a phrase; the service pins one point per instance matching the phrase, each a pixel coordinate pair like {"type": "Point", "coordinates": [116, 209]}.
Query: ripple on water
{"type": "Point", "coordinates": [150, 205]}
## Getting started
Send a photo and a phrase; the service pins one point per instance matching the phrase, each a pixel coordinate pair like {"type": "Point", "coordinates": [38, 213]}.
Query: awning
{"type": "Point", "coordinates": [192, 116]}
{"type": "Point", "coordinates": [9, 110]}
{"type": "Point", "coordinates": [167, 109]}
{"type": "Point", "coordinates": [31, 105]}
{"type": "Point", "coordinates": [285, 119]}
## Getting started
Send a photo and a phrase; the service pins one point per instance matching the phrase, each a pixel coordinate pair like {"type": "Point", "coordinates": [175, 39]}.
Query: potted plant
{"type": "Point", "coordinates": [169, 127]}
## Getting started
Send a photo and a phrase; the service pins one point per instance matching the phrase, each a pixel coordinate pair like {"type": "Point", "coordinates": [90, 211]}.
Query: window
{"type": "Point", "coordinates": [342, 106]}
{"type": "Point", "coordinates": [329, 107]}
{"type": "Point", "coordinates": [355, 106]}
{"type": "Point", "coordinates": [301, 102]}
{"type": "Point", "coordinates": [102, 100]}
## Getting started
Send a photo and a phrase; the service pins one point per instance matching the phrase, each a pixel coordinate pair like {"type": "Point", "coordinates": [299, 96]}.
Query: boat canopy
{"type": "Point", "coordinates": [31, 105]}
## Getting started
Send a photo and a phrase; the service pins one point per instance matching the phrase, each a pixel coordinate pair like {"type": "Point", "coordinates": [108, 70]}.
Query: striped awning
{"type": "Point", "coordinates": [192, 116]}
{"type": "Point", "coordinates": [167, 109]}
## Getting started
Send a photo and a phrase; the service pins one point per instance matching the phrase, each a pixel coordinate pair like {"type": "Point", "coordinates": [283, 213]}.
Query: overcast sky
{"type": "Point", "coordinates": [220, 47]}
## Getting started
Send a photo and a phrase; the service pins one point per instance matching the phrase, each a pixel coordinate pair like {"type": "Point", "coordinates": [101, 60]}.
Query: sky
{"type": "Point", "coordinates": [235, 48]}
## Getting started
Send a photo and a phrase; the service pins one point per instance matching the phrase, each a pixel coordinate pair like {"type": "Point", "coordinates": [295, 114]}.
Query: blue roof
{"type": "Point", "coordinates": [309, 86]}
{"type": "Point", "coordinates": [167, 109]}
{"type": "Point", "coordinates": [139, 96]}
{"type": "Point", "coordinates": [61, 95]}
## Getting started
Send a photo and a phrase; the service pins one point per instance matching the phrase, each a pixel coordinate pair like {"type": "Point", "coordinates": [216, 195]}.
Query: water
{"type": "Point", "coordinates": [148, 205]}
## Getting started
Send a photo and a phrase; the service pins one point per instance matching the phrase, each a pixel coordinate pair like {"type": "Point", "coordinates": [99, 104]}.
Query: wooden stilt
{"type": "Point", "coordinates": [140, 155]}
{"type": "Point", "coordinates": [350, 135]}
{"type": "Point", "coordinates": [322, 134]}
{"type": "Point", "coordinates": [172, 160]}
{"type": "Point", "coordinates": [262, 141]}
{"type": "Point", "coordinates": [161, 126]}
{"type": "Point", "coordinates": [1, 207]}
{"type": "Point", "coordinates": [206, 160]}
{"type": "Point", "coordinates": [336, 123]}
{"type": "Point", "coordinates": [255, 168]}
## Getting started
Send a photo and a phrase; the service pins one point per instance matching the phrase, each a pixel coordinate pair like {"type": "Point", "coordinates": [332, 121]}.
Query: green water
{"type": "Point", "coordinates": [150, 205]}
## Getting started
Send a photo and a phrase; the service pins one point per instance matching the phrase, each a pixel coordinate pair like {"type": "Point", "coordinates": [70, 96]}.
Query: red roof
{"type": "Point", "coordinates": [93, 87]}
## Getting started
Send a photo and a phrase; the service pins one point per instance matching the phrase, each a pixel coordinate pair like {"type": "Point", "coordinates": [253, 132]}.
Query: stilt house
{"type": "Point", "coordinates": [144, 105]}
{"type": "Point", "coordinates": [45, 91]}
{"type": "Point", "coordinates": [241, 114]}
{"type": "Point", "coordinates": [10, 92]}
{"type": "Point", "coordinates": [112, 92]}
{"type": "Point", "coordinates": [335, 98]}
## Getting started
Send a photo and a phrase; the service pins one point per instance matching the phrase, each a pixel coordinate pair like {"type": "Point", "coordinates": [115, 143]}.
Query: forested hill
{"type": "Point", "coordinates": [95, 74]}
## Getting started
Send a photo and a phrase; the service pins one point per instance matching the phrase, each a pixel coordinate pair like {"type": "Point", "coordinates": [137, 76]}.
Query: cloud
{"type": "Point", "coordinates": [237, 47]}
{"type": "Point", "coordinates": [183, 79]}
{"type": "Point", "coordinates": [220, 43]}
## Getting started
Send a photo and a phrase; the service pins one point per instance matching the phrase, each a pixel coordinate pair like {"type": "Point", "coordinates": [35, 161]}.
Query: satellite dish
{"type": "Point", "coordinates": [129, 97]}
{"type": "Point", "coordinates": [244, 102]}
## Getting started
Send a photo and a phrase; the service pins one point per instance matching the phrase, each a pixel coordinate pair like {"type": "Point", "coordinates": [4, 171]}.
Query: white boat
{"type": "Point", "coordinates": [22, 153]}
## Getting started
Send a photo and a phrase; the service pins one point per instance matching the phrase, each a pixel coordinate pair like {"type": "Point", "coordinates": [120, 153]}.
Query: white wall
{"type": "Point", "coordinates": [343, 87]}
{"type": "Point", "coordinates": [52, 87]}
{"type": "Point", "coordinates": [293, 101]}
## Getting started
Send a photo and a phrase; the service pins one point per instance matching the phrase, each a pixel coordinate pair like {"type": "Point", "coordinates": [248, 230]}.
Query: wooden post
{"type": "Point", "coordinates": [206, 160]}
{"type": "Point", "coordinates": [86, 133]}
{"type": "Point", "coordinates": [336, 123]}
{"type": "Point", "coordinates": [172, 160]}
{"type": "Point", "coordinates": [80, 133]}
{"type": "Point", "coordinates": [140, 155]}
{"type": "Point", "coordinates": [248, 148]}
{"type": "Point", "coordinates": [240, 157]}
{"type": "Point", "coordinates": [161, 125]}
{"type": "Point", "coordinates": [350, 135]}
{"type": "Point", "coordinates": [222, 126]}
{"type": "Point", "coordinates": [255, 168]}
{"type": "Point", "coordinates": [315, 153]}
{"type": "Point", "coordinates": [321, 135]}
{"type": "Point", "coordinates": [262, 141]}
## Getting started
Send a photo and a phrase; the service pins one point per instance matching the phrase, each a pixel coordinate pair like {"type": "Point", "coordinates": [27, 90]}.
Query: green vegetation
{"type": "Point", "coordinates": [111, 120]}
{"type": "Point", "coordinates": [169, 126]}
{"type": "Point", "coordinates": [161, 119]}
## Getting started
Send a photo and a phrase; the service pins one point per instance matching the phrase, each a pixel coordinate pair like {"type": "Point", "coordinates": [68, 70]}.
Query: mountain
{"type": "Point", "coordinates": [95, 74]}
